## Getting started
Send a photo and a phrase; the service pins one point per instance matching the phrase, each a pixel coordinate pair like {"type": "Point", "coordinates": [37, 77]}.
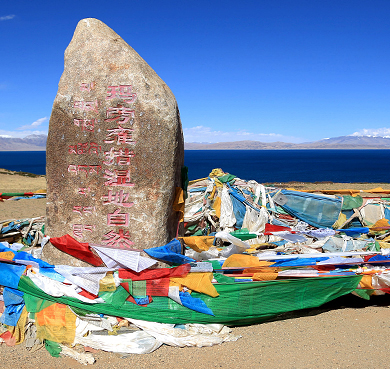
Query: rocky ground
{"type": "Point", "coordinates": [346, 333]}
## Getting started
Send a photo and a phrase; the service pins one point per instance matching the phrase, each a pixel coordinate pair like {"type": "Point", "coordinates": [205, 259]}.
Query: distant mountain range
{"type": "Point", "coordinates": [38, 143]}
{"type": "Point", "coordinates": [342, 142]}
{"type": "Point", "coordinates": [29, 143]}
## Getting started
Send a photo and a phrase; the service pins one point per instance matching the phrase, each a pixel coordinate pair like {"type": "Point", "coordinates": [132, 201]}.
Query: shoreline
{"type": "Point", "coordinates": [12, 181]}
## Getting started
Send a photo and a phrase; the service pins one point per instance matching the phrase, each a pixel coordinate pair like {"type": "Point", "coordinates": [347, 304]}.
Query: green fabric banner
{"type": "Point", "coordinates": [238, 303]}
{"type": "Point", "coordinates": [352, 202]}
{"type": "Point", "coordinates": [53, 348]}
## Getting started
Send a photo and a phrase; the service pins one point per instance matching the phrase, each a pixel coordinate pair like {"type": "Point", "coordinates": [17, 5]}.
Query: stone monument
{"type": "Point", "coordinates": [115, 148]}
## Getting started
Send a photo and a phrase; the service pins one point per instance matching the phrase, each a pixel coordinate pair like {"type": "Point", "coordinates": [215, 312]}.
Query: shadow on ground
{"type": "Point", "coordinates": [344, 302]}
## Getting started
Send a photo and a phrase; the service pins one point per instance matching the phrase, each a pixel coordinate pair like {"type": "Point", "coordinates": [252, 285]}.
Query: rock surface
{"type": "Point", "coordinates": [115, 148]}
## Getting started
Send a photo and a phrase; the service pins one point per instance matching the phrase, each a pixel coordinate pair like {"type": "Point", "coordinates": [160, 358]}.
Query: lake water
{"type": "Point", "coordinates": [260, 165]}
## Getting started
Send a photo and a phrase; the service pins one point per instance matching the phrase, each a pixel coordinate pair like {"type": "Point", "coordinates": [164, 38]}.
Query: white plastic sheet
{"type": "Point", "coordinates": [193, 335]}
{"type": "Point", "coordinates": [93, 322]}
{"type": "Point", "coordinates": [116, 259]}
{"type": "Point", "coordinates": [57, 289]}
{"type": "Point", "coordinates": [381, 280]}
{"type": "Point", "coordinates": [227, 237]}
{"type": "Point", "coordinates": [87, 278]}
{"type": "Point", "coordinates": [227, 220]}
{"type": "Point", "coordinates": [372, 212]}
{"type": "Point", "coordinates": [194, 205]}
{"type": "Point", "coordinates": [269, 256]}
{"type": "Point", "coordinates": [254, 220]}
{"type": "Point", "coordinates": [211, 253]}
{"type": "Point", "coordinates": [138, 342]}
{"type": "Point", "coordinates": [84, 358]}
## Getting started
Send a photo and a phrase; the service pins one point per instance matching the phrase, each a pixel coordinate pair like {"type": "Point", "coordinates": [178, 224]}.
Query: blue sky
{"type": "Point", "coordinates": [274, 70]}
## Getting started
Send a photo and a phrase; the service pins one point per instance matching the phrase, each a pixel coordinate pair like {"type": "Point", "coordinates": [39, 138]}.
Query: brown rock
{"type": "Point", "coordinates": [115, 148]}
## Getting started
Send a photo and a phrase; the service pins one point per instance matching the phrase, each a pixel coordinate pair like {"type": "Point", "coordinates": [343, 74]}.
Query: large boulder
{"type": "Point", "coordinates": [115, 148]}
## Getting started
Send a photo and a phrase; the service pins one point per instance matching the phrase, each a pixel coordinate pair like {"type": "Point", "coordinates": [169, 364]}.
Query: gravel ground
{"type": "Point", "coordinates": [346, 333]}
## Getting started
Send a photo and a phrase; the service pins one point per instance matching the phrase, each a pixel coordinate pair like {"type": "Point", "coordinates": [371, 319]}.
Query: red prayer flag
{"type": "Point", "coordinates": [8, 338]}
{"type": "Point", "coordinates": [157, 287]}
{"type": "Point", "coordinates": [180, 271]}
{"type": "Point", "coordinates": [270, 228]}
{"type": "Point", "coordinates": [77, 249]}
{"type": "Point", "coordinates": [87, 294]}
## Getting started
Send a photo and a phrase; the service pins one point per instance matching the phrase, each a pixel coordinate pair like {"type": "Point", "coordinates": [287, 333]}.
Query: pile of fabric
{"type": "Point", "coordinates": [12, 196]}
{"type": "Point", "coordinates": [30, 232]}
{"type": "Point", "coordinates": [249, 253]}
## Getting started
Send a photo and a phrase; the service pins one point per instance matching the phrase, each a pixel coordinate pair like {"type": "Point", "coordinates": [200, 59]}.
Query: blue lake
{"type": "Point", "coordinates": [260, 165]}
{"type": "Point", "coordinates": [294, 165]}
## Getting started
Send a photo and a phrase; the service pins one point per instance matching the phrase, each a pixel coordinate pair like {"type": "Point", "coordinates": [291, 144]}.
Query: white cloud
{"type": "Point", "coordinates": [20, 134]}
{"type": "Point", "coordinates": [207, 134]}
{"type": "Point", "coordinates": [7, 17]}
{"type": "Point", "coordinates": [373, 132]}
{"type": "Point", "coordinates": [33, 125]}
